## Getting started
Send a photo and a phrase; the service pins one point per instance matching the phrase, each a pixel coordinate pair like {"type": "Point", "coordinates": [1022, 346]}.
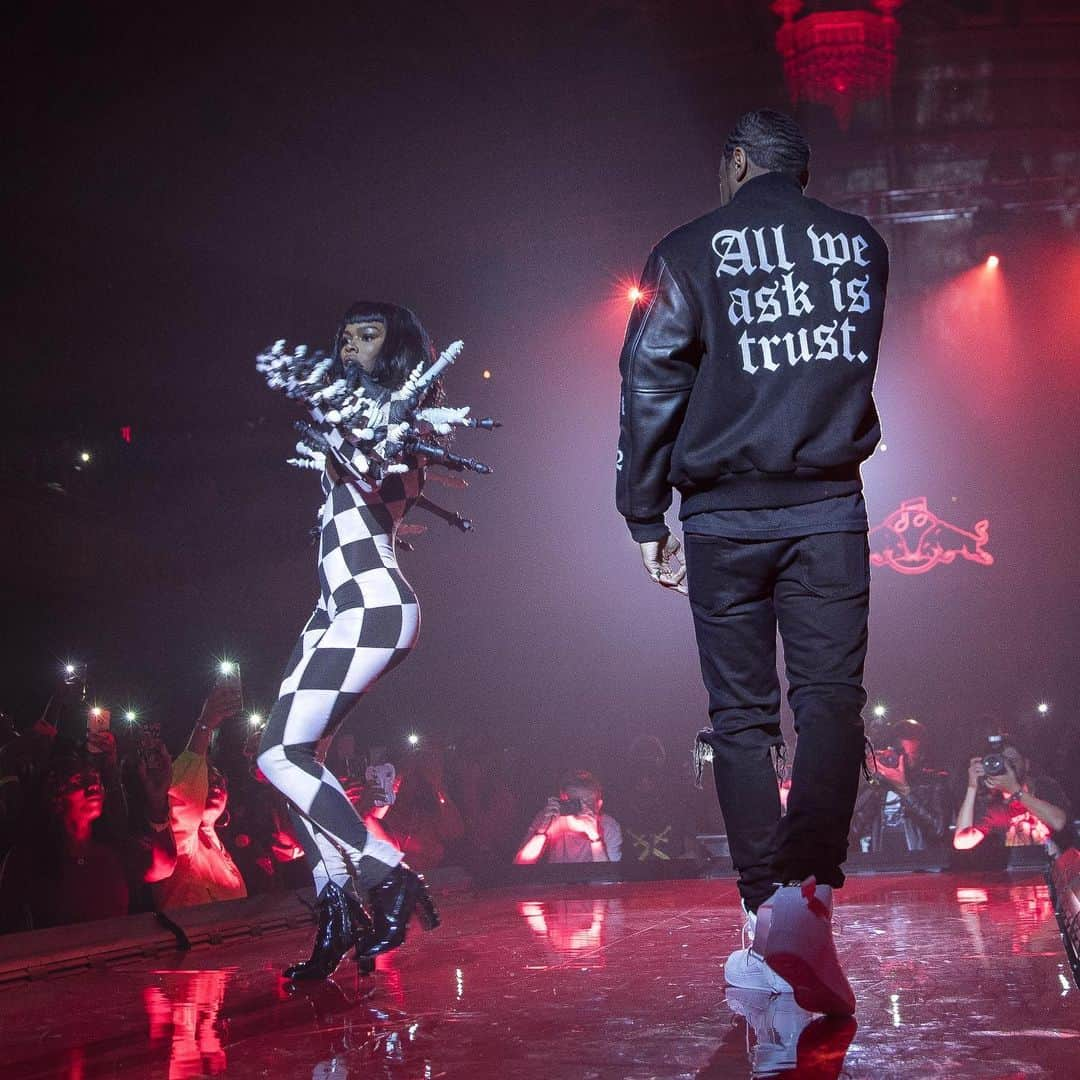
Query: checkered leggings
{"type": "Point", "coordinates": [365, 623]}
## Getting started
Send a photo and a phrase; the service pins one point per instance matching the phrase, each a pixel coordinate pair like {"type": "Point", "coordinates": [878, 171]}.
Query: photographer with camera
{"type": "Point", "coordinates": [572, 827]}
{"type": "Point", "coordinates": [1005, 801]}
{"type": "Point", "coordinates": [905, 807]}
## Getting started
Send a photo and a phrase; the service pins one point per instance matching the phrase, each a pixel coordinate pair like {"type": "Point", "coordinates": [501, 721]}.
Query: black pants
{"type": "Point", "coordinates": [816, 589]}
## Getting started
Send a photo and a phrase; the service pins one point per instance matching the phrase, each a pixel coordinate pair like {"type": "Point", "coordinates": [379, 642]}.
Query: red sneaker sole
{"type": "Point", "coordinates": [810, 992]}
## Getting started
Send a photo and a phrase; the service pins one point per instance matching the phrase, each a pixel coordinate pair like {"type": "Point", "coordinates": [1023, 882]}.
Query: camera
{"type": "Point", "coordinates": [570, 807]}
{"type": "Point", "coordinates": [994, 763]}
{"type": "Point", "coordinates": [889, 757]}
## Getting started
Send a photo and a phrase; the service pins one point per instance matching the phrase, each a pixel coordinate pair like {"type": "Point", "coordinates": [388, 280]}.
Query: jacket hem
{"type": "Point", "coordinates": [760, 491]}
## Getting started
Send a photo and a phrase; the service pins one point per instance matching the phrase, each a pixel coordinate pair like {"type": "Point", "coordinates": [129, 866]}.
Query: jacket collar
{"type": "Point", "coordinates": [769, 181]}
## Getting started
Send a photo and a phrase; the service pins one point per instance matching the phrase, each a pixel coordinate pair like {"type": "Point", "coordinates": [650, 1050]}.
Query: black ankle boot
{"type": "Point", "coordinates": [343, 925]}
{"type": "Point", "coordinates": [393, 901]}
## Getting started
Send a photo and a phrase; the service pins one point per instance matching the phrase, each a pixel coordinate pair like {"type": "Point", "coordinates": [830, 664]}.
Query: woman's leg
{"type": "Point", "coordinates": [335, 662]}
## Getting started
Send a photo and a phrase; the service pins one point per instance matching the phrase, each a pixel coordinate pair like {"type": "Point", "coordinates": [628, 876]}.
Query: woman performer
{"type": "Point", "coordinates": [372, 439]}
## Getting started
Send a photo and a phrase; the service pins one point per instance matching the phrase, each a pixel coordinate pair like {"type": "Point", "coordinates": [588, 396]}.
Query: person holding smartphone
{"type": "Point", "coordinates": [198, 797]}
{"type": "Point", "coordinates": [72, 864]}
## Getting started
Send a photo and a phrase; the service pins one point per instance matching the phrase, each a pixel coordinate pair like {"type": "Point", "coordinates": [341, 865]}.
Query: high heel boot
{"type": "Point", "coordinates": [343, 925]}
{"type": "Point", "coordinates": [393, 902]}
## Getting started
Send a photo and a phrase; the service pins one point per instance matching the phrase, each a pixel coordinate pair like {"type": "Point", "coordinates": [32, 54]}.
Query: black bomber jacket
{"type": "Point", "coordinates": [749, 361]}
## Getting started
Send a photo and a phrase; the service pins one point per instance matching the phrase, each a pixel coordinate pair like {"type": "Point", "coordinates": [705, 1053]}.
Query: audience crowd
{"type": "Point", "coordinates": [101, 817]}
{"type": "Point", "coordinates": [98, 820]}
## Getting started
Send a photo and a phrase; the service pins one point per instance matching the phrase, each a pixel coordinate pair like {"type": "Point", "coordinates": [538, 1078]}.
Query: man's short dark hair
{"type": "Point", "coordinates": [582, 785]}
{"type": "Point", "coordinates": [773, 141]}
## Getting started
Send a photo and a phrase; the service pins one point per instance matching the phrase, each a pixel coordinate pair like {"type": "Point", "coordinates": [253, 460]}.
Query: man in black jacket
{"type": "Point", "coordinates": [747, 376]}
{"type": "Point", "coordinates": [905, 807]}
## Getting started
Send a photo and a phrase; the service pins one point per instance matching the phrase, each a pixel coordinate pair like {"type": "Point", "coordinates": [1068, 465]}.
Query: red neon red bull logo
{"type": "Point", "coordinates": [913, 540]}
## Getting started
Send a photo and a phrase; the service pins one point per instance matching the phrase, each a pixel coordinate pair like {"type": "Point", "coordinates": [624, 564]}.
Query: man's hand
{"type": "Point", "coordinates": [976, 771]}
{"type": "Point", "coordinates": [548, 816]}
{"type": "Point", "coordinates": [1007, 783]}
{"type": "Point", "coordinates": [224, 701]}
{"type": "Point", "coordinates": [103, 744]}
{"type": "Point", "coordinates": [585, 822]}
{"type": "Point", "coordinates": [662, 564]}
{"type": "Point", "coordinates": [895, 778]}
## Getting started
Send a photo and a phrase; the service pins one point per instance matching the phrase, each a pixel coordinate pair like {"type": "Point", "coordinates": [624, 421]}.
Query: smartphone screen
{"type": "Point", "coordinates": [229, 673]}
{"type": "Point", "coordinates": [98, 720]}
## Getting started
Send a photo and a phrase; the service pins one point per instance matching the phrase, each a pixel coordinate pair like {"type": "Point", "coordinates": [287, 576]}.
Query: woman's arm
{"type": "Point", "coordinates": [967, 835]}
{"type": "Point", "coordinates": [187, 798]}
{"type": "Point", "coordinates": [347, 451]}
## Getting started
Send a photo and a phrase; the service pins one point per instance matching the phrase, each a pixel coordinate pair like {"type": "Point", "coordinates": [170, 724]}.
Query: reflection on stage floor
{"type": "Point", "coordinates": [956, 976]}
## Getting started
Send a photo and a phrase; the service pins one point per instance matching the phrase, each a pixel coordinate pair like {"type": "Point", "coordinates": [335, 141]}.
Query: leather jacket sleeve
{"type": "Point", "coordinates": [926, 803]}
{"type": "Point", "coordinates": [658, 365]}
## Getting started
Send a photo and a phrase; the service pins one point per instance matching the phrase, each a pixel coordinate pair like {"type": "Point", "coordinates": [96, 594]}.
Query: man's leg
{"type": "Point", "coordinates": [731, 596]}
{"type": "Point", "coordinates": [822, 604]}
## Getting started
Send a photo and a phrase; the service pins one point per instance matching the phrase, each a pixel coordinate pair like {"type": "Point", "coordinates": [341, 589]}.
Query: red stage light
{"type": "Point", "coordinates": [634, 294]}
{"type": "Point", "coordinates": [125, 433]}
{"type": "Point", "coordinates": [992, 262]}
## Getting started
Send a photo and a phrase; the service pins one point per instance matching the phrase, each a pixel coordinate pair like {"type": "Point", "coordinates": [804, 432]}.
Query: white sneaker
{"type": "Point", "coordinates": [793, 933]}
{"type": "Point", "coordinates": [745, 969]}
{"type": "Point", "coordinates": [778, 1022]}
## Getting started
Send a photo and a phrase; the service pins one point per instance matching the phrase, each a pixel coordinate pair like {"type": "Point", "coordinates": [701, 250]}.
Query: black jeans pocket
{"type": "Point", "coordinates": [709, 578]}
{"type": "Point", "coordinates": [835, 566]}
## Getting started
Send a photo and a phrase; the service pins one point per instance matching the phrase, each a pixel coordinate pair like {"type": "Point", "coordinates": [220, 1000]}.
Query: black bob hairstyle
{"type": "Point", "coordinates": [407, 343]}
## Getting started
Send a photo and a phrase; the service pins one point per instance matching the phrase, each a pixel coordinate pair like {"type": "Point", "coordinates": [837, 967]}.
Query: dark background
{"type": "Point", "coordinates": [186, 185]}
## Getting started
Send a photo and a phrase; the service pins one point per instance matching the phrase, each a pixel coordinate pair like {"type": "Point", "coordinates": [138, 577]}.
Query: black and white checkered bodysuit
{"type": "Point", "coordinates": [365, 622]}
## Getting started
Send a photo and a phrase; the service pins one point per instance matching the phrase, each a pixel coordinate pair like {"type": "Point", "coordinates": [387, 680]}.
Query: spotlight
{"type": "Point", "coordinates": [95, 712]}
{"type": "Point", "coordinates": [226, 668]}
{"type": "Point", "coordinates": [131, 716]}
{"type": "Point", "coordinates": [634, 294]}
{"type": "Point", "coordinates": [487, 374]}
{"type": "Point", "coordinates": [883, 447]}
{"type": "Point", "coordinates": [84, 457]}
{"type": "Point", "coordinates": [1043, 708]}
{"type": "Point", "coordinates": [414, 740]}
{"type": "Point", "coordinates": [255, 719]}
{"type": "Point", "coordinates": [880, 711]}
{"type": "Point", "coordinates": [69, 669]}
{"type": "Point", "coordinates": [992, 262]}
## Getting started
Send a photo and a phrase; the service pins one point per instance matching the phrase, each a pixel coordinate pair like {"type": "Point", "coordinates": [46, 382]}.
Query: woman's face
{"type": "Point", "coordinates": [217, 795]}
{"type": "Point", "coordinates": [81, 796]}
{"type": "Point", "coordinates": [361, 343]}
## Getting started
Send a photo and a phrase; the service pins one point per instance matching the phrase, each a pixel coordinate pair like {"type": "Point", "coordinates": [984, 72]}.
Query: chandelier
{"type": "Point", "coordinates": [837, 58]}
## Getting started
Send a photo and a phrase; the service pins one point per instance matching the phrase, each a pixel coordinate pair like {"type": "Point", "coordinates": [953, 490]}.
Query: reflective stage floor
{"type": "Point", "coordinates": [955, 977]}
